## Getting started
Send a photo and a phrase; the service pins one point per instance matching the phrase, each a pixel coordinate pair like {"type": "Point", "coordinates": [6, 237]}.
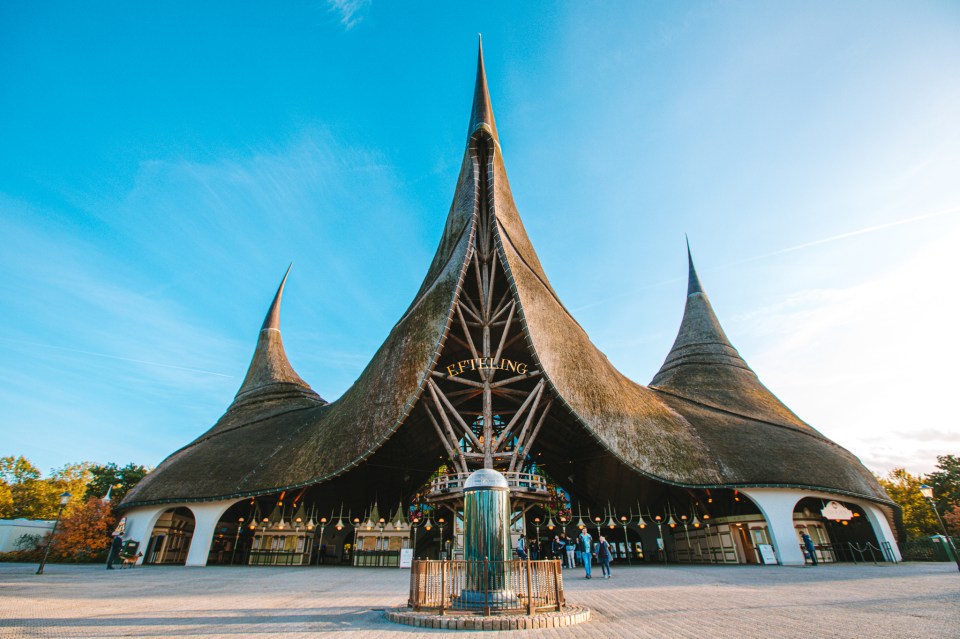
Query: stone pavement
{"type": "Point", "coordinates": [909, 600]}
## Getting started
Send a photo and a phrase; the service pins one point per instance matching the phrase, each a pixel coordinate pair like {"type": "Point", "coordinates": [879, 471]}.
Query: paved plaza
{"type": "Point", "coordinates": [909, 600]}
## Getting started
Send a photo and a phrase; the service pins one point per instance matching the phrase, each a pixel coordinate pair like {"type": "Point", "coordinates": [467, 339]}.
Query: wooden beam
{"type": "Point", "coordinates": [536, 394]}
{"type": "Point", "coordinates": [446, 444]}
{"type": "Point", "coordinates": [446, 422]}
{"type": "Point", "coordinates": [525, 445]}
{"type": "Point", "coordinates": [440, 397]}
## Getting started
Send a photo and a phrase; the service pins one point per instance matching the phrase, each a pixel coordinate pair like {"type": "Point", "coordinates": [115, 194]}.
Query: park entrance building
{"type": "Point", "coordinates": [488, 369]}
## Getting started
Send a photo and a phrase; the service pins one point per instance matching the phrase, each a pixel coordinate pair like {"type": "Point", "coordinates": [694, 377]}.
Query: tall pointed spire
{"type": "Point", "coordinates": [482, 113]}
{"type": "Point", "coordinates": [703, 366]}
{"type": "Point", "coordinates": [272, 320]}
{"type": "Point", "coordinates": [693, 282]}
{"type": "Point", "coordinates": [701, 340]}
{"type": "Point", "coordinates": [270, 374]}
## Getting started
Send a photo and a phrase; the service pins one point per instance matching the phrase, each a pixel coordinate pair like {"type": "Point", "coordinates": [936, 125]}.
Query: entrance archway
{"type": "Point", "coordinates": [170, 538]}
{"type": "Point", "coordinates": [850, 539]}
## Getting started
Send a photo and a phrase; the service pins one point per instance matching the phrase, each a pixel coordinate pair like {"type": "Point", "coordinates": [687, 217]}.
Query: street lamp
{"type": "Point", "coordinates": [626, 542]}
{"type": "Point", "coordinates": [927, 492]}
{"type": "Point", "coordinates": [236, 540]}
{"type": "Point", "coordinates": [440, 523]}
{"type": "Point", "coordinates": [536, 524]}
{"type": "Point", "coordinates": [64, 498]}
{"type": "Point", "coordinates": [663, 546]}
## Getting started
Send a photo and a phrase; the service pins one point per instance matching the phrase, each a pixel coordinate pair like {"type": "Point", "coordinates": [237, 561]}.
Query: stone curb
{"type": "Point", "coordinates": [569, 616]}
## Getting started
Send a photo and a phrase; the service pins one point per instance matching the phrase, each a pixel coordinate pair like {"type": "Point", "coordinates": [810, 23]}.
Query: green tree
{"type": "Point", "coordinates": [84, 533]}
{"type": "Point", "coordinates": [945, 482]}
{"type": "Point", "coordinates": [951, 519]}
{"type": "Point", "coordinates": [73, 479]}
{"type": "Point", "coordinates": [103, 476]}
{"type": "Point", "coordinates": [6, 500]}
{"type": "Point", "coordinates": [16, 470]}
{"type": "Point", "coordinates": [904, 489]}
{"type": "Point", "coordinates": [33, 497]}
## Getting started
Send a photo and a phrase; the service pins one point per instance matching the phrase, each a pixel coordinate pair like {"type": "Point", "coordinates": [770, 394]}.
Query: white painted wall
{"type": "Point", "coordinates": [12, 529]}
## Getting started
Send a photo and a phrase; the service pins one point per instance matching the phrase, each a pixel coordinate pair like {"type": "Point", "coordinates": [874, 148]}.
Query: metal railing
{"type": "Point", "coordinates": [486, 587]}
{"type": "Point", "coordinates": [516, 481]}
{"type": "Point", "coordinates": [928, 549]}
{"type": "Point", "coordinates": [377, 558]}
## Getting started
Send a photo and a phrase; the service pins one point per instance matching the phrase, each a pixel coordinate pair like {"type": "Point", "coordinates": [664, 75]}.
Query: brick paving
{"type": "Point", "coordinates": [909, 600]}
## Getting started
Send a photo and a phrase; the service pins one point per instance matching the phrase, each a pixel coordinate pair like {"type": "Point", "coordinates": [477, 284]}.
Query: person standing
{"type": "Point", "coordinates": [603, 556]}
{"type": "Point", "coordinates": [808, 544]}
{"type": "Point", "coordinates": [521, 548]}
{"type": "Point", "coordinates": [557, 548]}
{"type": "Point", "coordinates": [570, 549]}
{"type": "Point", "coordinates": [585, 546]}
{"type": "Point", "coordinates": [114, 553]}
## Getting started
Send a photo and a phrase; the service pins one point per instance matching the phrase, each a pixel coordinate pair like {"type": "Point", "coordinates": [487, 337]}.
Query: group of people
{"type": "Point", "coordinates": [571, 550]}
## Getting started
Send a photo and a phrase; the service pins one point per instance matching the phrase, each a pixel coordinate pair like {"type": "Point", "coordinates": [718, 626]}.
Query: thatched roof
{"type": "Point", "coordinates": [706, 421]}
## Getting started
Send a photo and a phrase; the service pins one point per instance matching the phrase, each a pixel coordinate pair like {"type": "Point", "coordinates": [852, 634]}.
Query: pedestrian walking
{"type": "Point", "coordinates": [114, 554]}
{"type": "Point", "coordinates": [603, 556]}
{"type": "Point", "coordinates": [521, 548]}
{"type": "Point", "coordinates": [557, 548]}
{"type": "Point", "coordinates": [811, 549]}
{"type": "Point", "coordinates": [585, 546]}
{"type": "Point", "coordinates": [571, 551]}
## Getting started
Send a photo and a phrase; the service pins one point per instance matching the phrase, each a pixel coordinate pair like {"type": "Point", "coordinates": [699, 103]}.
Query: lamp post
{"type": "Point", "coordinates": [323, 524]}
{"type": "Point", "coordinates": [380, 525]}
{"type": "Point", "coordinates": [536, 524]}
{"type": "Point", "coordinates": [663, 546]}
{"type": "Point", "coordinates": [626, 542]}
{"type": "Point", "coordinates": [428, 526]}
{"type": "Point", "coordinates": [440, 522]}
{"type": "Point", "coordinates": [64, 498]}
{"type": "Point", "coordinates": [236, 540]}
{"type": "Point", "coordinates": [414, 524]}
{"type": "Point", "coordinates": [356, 532]}
{"type": "Point", "coordinates": [927, 492]}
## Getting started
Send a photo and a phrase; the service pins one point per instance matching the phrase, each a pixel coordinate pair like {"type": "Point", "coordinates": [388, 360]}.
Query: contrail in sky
{"type": "Point", "coordinates": [122, 359]}
{"type": "Point", "coordinates": [841, 236]}
{"type": "Point", "coordinates": [789, 249]}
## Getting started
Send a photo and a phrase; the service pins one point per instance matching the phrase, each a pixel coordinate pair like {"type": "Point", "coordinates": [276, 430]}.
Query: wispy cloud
{"type": "Point", "coordinates": [855, 233]}
{"type": "Point", "coordinates": [871, 363]}
{"type": "Point", "coordinates": [790, 249]}
{"type": "Point", "coordinates": [116, 357]}
{"type": "Point", "coordinates": [350, 12]}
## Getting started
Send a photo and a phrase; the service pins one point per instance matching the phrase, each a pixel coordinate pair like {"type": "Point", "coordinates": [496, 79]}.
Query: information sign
{"type": "Point", "coordinates": [406, 557]}
{"type": "Point", "coordinates": [767, 555]}
{"type": "Point", "coordinates": [836, 511]}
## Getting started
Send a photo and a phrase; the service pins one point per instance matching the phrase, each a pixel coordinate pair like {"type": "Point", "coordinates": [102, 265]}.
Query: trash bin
{"type": "Point", "coordinates": [130, 547]}
{"type": "Point", "coordinates": [942, 551]}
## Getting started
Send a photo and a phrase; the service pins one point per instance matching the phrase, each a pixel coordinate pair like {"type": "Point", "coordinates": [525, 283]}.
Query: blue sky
{"type": "Point", "coordinates": [161, 165]}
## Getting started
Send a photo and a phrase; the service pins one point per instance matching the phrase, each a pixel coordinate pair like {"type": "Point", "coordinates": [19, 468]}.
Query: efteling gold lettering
{"type": "Point", "coordinates": [486, 364]}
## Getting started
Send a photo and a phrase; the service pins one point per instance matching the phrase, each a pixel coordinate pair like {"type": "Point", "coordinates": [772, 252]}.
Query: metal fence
{"type": "Point", "coordinates": [929, 549]}
{"type": "Point", "coordinates": [486, 586]}
{"type": "Point", "coordinates": [378, 558]}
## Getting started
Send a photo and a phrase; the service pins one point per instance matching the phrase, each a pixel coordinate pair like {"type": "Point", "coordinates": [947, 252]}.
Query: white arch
{"type": "Point", "coordinates": [777, 506]}
{"type": "Point", "coordinates": [206, 515]}
{"type": "Point", "coordinates": [140, 523]}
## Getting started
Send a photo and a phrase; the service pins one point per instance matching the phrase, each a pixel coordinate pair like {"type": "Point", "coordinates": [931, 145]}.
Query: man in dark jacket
{"type": "Point", "coordinates": [114, 555]}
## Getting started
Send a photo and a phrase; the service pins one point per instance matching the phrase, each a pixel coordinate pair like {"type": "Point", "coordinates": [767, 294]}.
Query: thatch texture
{"type": "Point", "coordinates": [707, 422]}
{"type": "Point", "coordinates": [269, 446]}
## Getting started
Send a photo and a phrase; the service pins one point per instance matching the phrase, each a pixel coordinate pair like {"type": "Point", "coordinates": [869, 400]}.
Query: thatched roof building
{"type": "Point", "coordinates": [705, 421]}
